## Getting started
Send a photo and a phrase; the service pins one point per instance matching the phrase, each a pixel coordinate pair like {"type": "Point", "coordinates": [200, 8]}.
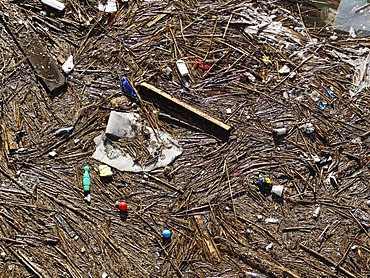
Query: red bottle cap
{"type": "Point", "coordinates": [122, 206]}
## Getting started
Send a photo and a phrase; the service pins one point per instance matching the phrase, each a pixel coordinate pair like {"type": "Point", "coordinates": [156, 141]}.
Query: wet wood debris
{"type": "Point", "coordinates": [298, 102]}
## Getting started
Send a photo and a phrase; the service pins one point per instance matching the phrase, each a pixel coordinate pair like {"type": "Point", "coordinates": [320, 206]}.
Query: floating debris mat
{"type": "Point", "coordinates": [247, 155]}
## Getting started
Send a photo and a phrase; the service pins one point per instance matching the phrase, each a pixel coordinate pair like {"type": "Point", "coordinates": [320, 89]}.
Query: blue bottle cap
{"type": "Point", "coordinates": [166, 233]}
{"type": "Point", "coordinates": [127, 87]}
{"type": "Point", "coordinates": [86, 168]}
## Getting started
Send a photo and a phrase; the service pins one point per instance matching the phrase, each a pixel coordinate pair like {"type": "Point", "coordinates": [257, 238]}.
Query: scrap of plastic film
{"type": "Point", "coordinates": [266, 60]}
{"type": "Point", "coordinates": [353, 15]}
{"type": "Point", "coordinates": [267, 180]}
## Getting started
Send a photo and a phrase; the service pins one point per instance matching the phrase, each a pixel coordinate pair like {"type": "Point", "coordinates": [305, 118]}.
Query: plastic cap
{"type": "Point", "coordinates": [122, 206]}
{"type": "Point", "coordinates": [86, 168]}
{"type": "Point", "coordinates": [166, 233]}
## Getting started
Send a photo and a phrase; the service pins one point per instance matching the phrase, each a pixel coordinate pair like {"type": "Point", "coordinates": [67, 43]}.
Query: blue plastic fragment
{"type": "Point", "coordinates": [127, 87]}
{"type": "Point", "coordinates": [330, 93]}
{"type": "Point", "coordinates": [321, 105]}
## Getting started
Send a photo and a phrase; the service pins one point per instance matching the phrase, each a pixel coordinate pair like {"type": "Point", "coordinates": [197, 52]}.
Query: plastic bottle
{"type": "Point", "coordinates": [86, 179]}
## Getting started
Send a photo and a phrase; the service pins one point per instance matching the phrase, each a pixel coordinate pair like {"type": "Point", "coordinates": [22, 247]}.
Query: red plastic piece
{"type": "Point", "coordinates": [201, 65]}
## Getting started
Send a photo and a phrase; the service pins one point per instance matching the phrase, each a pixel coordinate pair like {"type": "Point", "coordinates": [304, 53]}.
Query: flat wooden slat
{"type": "Point", "coordinates": [184, 111]}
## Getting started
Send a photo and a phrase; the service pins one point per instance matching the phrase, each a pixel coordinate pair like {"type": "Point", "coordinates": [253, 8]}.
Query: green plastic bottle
{"type": "Point", "coordinates": [86, 179]}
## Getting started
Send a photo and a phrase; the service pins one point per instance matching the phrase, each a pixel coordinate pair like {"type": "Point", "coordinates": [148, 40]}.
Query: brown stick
{"type": "Point", "coordinates": [326, 260]}
{"type": "Point", "coordinates": [35, 269]}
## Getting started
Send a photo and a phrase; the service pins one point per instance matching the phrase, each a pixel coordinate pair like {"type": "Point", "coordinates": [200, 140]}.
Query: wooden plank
{"type": "Point", "coordinates": [45, 67]}
{"type": "Point", "coordinates": [183, 111]}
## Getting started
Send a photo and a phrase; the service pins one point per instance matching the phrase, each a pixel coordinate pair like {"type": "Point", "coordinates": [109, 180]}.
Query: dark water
{"type": "Point", "coordinates": [349, 16]}
{"type": "Point", "coordinates": [323, 12]}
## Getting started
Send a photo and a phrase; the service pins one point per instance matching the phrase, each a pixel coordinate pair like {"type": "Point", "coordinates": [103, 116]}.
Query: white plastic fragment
{"type": "Point", "coordinates": [252, 274]}
{"type": "Point", "coordinates": [228, 111]}
{"type": "Point", "coordinates": [333, 37]}
{"type": "Point", "coordinates": [315, 95]}
{"type": "Point", "coordinates": [52, 154]}
{"type": "Point", "coordinates": [352, 33]}
{"type": "Point", "coordinates": [88, 198]}
{"type": "Point", "coordinates": [104, 275]}
{"type": "Point", "coordinates": [277, 190]}
{"type": "Point", "coordinates": [280, 131]}
{"type": "Point", "coordinates": [316, 158]}
{"type": "Point", "coordinates": [250, 77]}
{"type": "Point", "coordinates": [167, 71]}
{"type": "Point", "coordinates": [271, 221]}
{"type": "Point", "coordinates": [292, 75]}
{"type": "Point", "coordinates": [121, 125]}
{"type": "Point", "coordinates": [307, 128]}
{"type": "Point", "coordinates": [61, 132]}
{"type": "Point", "coordinates": [105, 171]}
{"type": "Point", "coordinates": [331, 180]}
{"type": "Point", "coordinates": [160, 144]}
{"type": "Point", "coordinates": [284, 70]}
{"type": "Point", "coordinates": [68, 65]}
{"type": "Point", "coordinates": [316, 212]}
{"type": "Point", "coordinates": [181, 66]}
{"type": "Point", "coordinates": [269, 247]}
{"type": "Point", "coordinates": [110, 7]}
{"type": "Point", "coordinates": [54, 4]}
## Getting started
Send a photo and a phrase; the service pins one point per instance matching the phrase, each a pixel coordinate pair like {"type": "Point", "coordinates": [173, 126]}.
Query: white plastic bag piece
{"type": "Point", "coordinates": [181, 66]}
{"type": "Point", "coordinates": [54, 4]}
{"type": "Point", "coordinates": [68, 65]}
{"type": "Point", "coordinates": [111, 7]}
